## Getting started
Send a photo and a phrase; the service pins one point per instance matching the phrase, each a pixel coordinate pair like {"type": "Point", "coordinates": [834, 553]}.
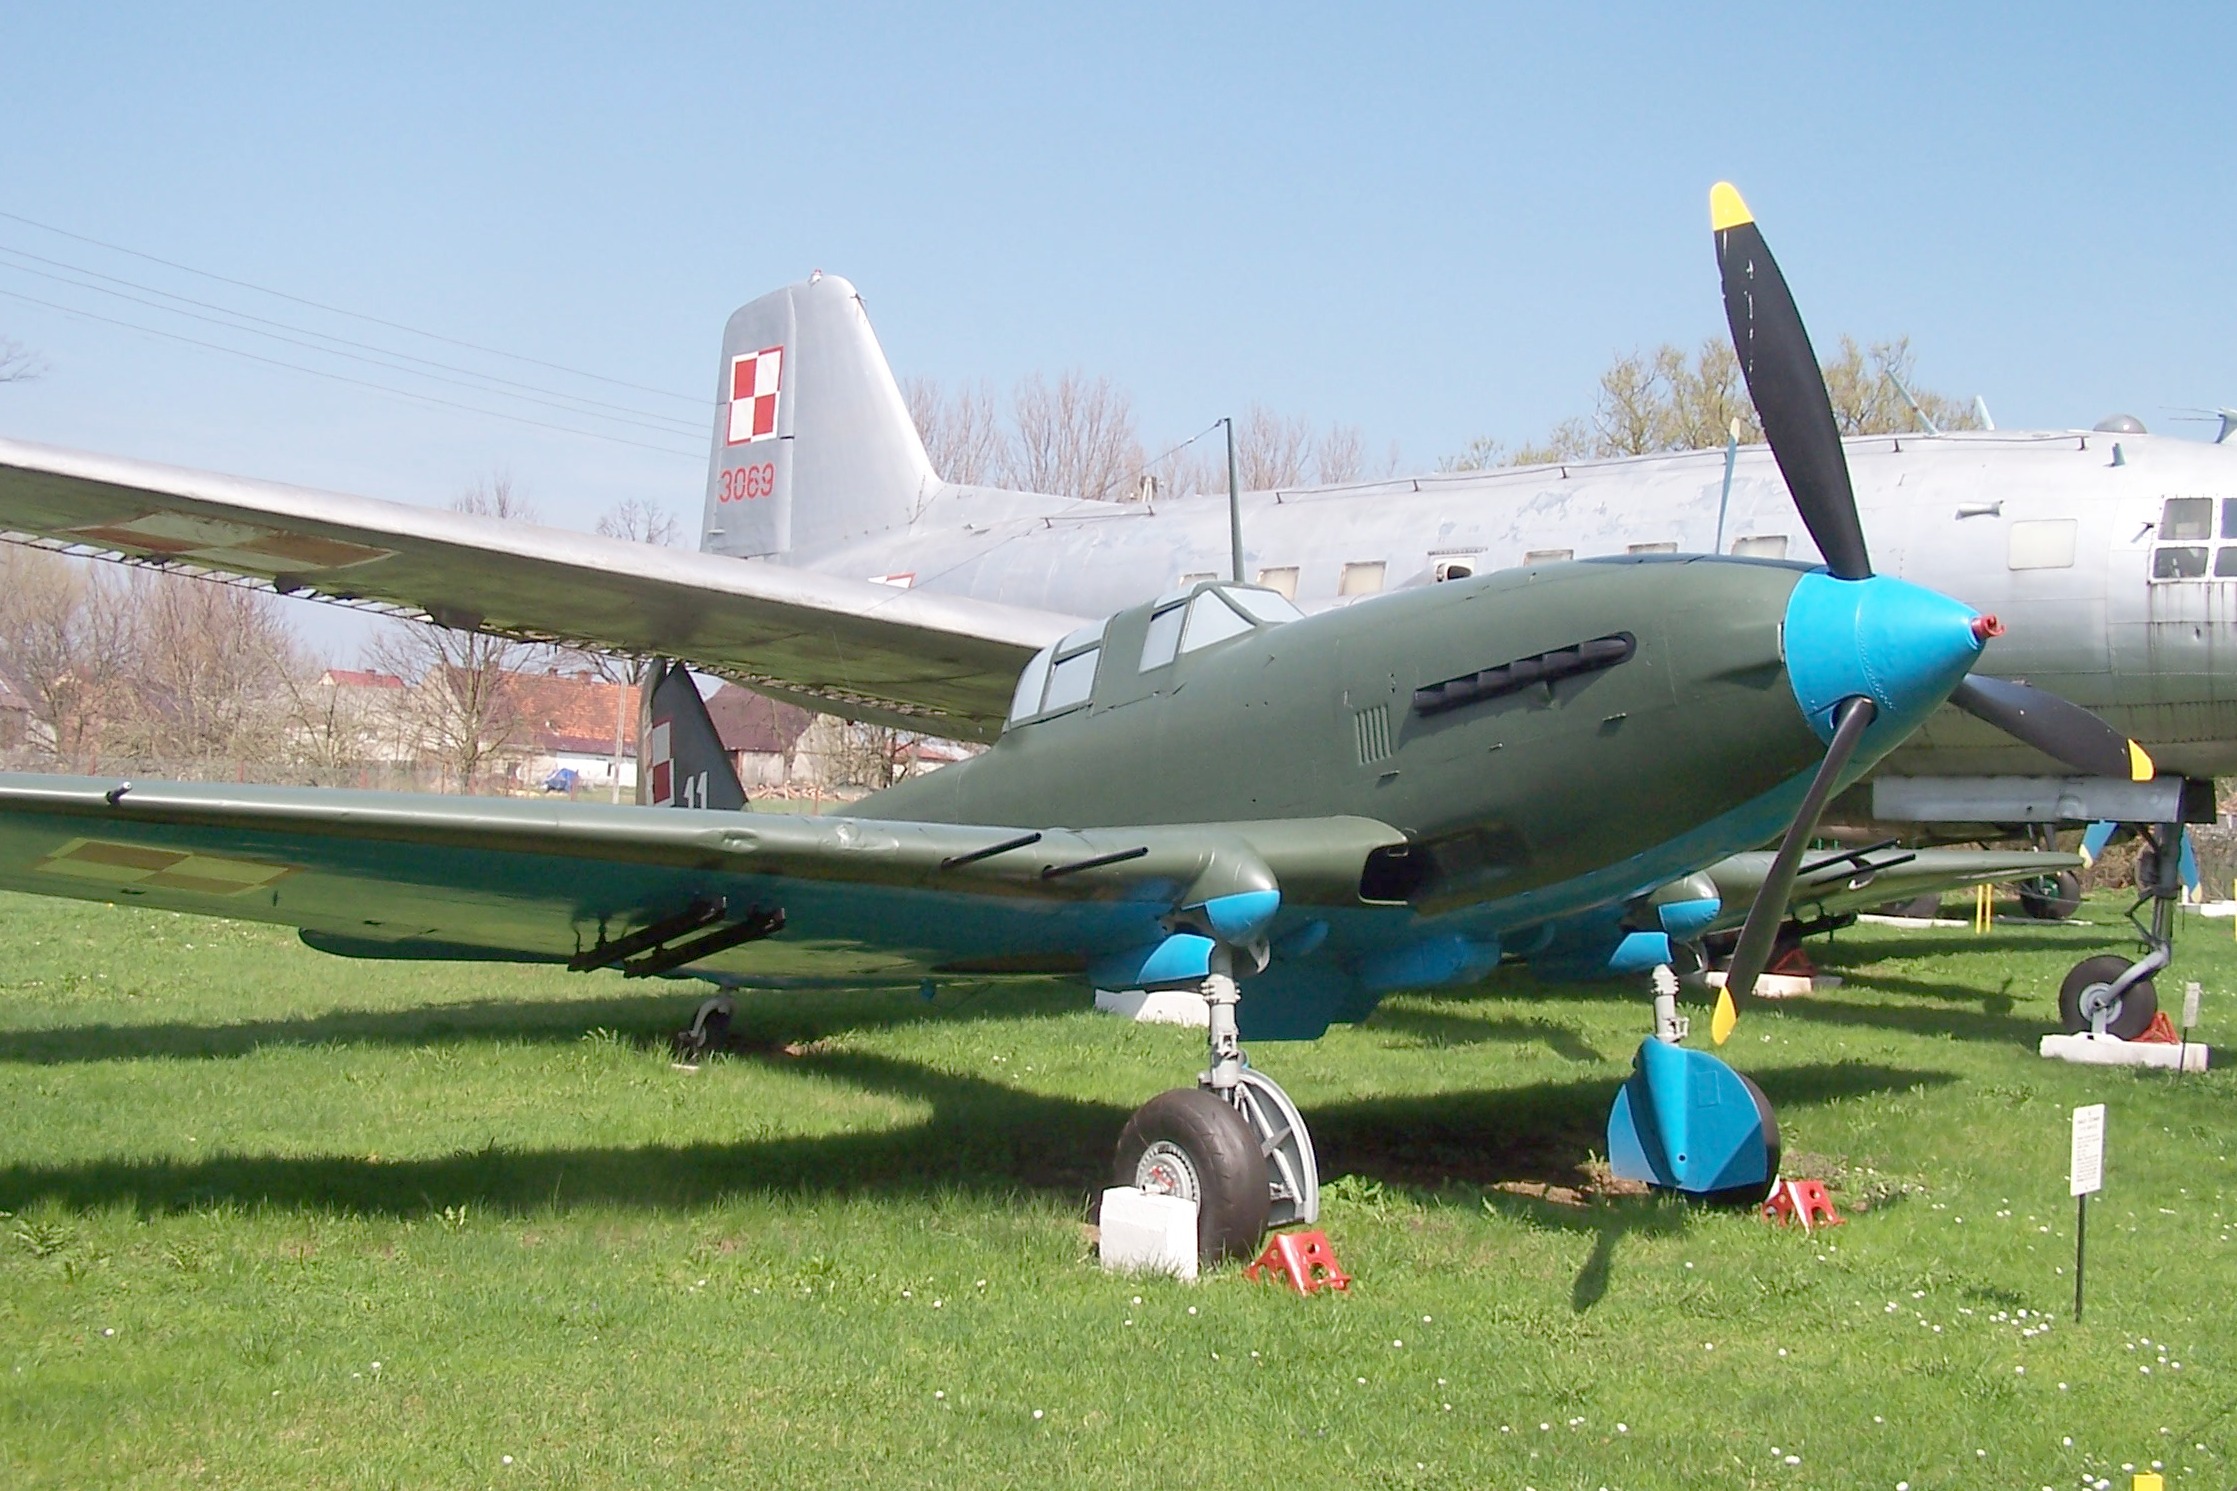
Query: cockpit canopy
{"type": "Point", "coordinates": [1063, 677]}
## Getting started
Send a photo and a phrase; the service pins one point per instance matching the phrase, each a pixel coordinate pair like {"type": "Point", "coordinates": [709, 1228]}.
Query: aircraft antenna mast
{"type": "Point", "coordinates": [1234, 505]}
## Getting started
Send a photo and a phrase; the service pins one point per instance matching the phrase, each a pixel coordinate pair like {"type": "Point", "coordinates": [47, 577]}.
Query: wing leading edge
{"type": "Point", "coordinates": [941, 664]}
{"type": "Point", "coordinates": [400, 875]}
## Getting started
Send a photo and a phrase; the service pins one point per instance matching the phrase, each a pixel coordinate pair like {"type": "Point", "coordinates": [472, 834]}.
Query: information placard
{"type": "Point", "coordinates": [2085, 1171]}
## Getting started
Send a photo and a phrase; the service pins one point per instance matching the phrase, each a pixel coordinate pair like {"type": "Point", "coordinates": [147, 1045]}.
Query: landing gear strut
{"type": "Point", "coordinates": [2112, 995]}
{"type": "Point", "coordinates": [1234, 1144]}
{"type": "Point", "coordinates": [708, 1029]}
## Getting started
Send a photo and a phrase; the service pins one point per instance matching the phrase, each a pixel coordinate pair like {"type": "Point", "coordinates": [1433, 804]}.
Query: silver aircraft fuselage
{"type": "Point", "coordinates": [2110, 558]}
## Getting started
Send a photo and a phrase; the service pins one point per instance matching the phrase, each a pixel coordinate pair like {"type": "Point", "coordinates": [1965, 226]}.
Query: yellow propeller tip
{"type": "Point", "coordinates": [2140, 767]}
{"type": "Point", "coordinates": [1721, 1023]}
{"type": "Point", "coordinates": [1726, 210]}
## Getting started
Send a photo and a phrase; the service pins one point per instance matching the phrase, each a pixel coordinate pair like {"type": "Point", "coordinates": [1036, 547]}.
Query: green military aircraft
{"type": "Point", "coordinates": [1292, 815]}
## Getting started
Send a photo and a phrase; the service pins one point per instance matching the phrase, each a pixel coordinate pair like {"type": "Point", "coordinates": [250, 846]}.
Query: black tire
{"type": "Point", "coordinates": [2138, 1004]}
{"type": "Point", "coordinates": [708, 1032]}
{"type": "Point", "coordinates": [1188, 1143]}
{"type": "Point", "coordinates": [2053, 898]}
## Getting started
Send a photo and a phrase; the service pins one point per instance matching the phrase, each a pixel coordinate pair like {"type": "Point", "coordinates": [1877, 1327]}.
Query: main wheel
{"type": "Point", "coordinates": [1189, 1143]}
{"type": "Point", "coordinates": [2053, 898]}
{"type": "Point", "coordinates": [2086, 990]}
{"type": "Point", "coordinates": [708, 1030]}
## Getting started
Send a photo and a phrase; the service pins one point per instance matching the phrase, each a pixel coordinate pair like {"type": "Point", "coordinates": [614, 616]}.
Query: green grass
{"type": "Point", "coordinates": [241, 1174]}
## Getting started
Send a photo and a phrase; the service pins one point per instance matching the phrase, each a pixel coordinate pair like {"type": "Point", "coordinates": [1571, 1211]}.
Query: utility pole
{"type": "Point", "coordinates": [1234, 504]}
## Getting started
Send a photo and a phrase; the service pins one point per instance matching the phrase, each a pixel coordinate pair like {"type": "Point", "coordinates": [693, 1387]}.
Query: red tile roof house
{"type": "Point", "coordinates": [569, 723]}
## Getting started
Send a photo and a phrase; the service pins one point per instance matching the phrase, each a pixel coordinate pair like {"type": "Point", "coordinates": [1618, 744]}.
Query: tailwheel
{"type": "Point", "coordinates": [1190, 1143]}
{"type": "Point", "coordinates": [2087, 994]}
{"type": "Point", "coordinates": [706, 1033]}
{"type": "Point", "coordinates": [2053, 898]}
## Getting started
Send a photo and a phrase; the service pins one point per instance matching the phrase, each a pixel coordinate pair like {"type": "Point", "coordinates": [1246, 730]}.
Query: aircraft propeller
{"type": "Point", "coordinates": [1788, 388]}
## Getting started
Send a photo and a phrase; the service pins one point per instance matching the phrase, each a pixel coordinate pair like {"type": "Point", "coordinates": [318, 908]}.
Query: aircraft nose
{"type": "Point", "coordinates": [1900, 645]}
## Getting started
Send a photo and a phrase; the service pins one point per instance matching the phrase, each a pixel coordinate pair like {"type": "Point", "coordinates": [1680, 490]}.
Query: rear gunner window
{"type": "Point", "coordinates": [2173, 562]}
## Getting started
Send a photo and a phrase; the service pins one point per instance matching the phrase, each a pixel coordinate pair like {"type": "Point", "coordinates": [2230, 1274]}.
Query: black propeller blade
{"type": "Point", "coordinates": [1788, 389]}
{"type": "Point", "coordinates": [2064, 731]}
{"type": "Point", "coordinates": [1762, 928]}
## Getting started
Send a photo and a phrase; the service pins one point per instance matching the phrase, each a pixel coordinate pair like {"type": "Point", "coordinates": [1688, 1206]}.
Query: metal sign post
{"type": "Point", "coordinates": [1234, 506]}
{"type": "Point", "coordinates": [2085, 1172]}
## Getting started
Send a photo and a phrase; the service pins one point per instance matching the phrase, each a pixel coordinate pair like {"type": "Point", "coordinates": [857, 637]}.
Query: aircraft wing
{"type": "Point", "coordinates": [1830, 886]}
{"type": "Point", "coordinates": [941, 664]}
{"type": "Point", "coordinates": [758, 899]}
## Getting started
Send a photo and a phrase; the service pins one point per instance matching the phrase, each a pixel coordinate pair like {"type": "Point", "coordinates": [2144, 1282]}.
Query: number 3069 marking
{"type": "Point", "coordinates": [743, 483]}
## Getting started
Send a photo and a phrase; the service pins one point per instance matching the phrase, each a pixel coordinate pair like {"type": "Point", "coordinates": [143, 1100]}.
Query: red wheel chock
{"type": "Point", "coordinates": [1304, 1259]}
{"type": "Point", "coordinates": [1803, 1201]}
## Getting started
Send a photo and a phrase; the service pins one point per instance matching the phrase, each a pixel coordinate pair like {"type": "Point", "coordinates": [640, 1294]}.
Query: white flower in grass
{"type": "Point", "coordinates": [1794, 1459]}
{"type": "Point", "coordinates": [1036, 1413]}
{"type": "Point", "coordinates": [504, 1459]}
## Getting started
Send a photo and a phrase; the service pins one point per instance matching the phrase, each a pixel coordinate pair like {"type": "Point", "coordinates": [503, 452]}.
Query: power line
{"type": "Point", "coordinates": [402, 393]}
{"type": "Point", "coordinates": [659, 424]}
{"type": "Point", "coordinates": [590, 405]}
{"type": "Point", "coordinates": [336, 310]}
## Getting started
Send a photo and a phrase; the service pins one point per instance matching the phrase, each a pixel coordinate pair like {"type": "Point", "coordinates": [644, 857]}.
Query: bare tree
{"type": "Point", "coordinates": [962, 433]}
{"type": "Point", "coordinates": [206, 670]}
{"type": "Point", "coordinates": [1075, 437]}
{"type": "Point", "coordinates": [18, 363]}
{"type": "Point", "coordinates": [640, 522]}
{"type": "Point", "coordinates": [66, 627]}
{"type": "Point", "coordinates": [464, 713]}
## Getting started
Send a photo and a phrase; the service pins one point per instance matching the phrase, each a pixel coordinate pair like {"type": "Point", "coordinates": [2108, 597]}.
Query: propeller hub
{"type": "Point", "coordinates": [1900, 645]}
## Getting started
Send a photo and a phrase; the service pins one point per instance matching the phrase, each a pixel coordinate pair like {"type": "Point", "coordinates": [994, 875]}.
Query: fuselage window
{"type": "Point", "coordinates": [2229, 517]}
{"type": "Point", "coordinates": [1364, 577]}
{"type": "Point", "coordinates": [2185, 519]}
{"type": "Point", "coordinates": [1210, 620]}
{"type": "Point", "coordinates": [1030, 684]}
{"type": "Point", "coordinates": [2179, 563]}
{"type": "Point", "coordinates": [1453, 569]}
{"type": "Point", "coordinates": [1761, 546]}
{"type": "Point", "coordinates": [2225, 563]}
{"type": "Point", "coordinates": [1283, 579]}
{"type": "Point", "coordinates": [1072, 680]}
{"type": "Point", "coordinates": [1668, 547]}
{"type": "Point", "coordinates": [1549, 556]}
{"type": "Point", "coordinates": [1163, 639]}
{"type": "Point", "coordinates": [2041, 543]}
{"type": "Point", "coordinates": [1199, 578]}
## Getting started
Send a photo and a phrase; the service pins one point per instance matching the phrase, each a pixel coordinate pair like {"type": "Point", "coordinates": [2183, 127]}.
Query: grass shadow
{"type": "Point", "coordinates": [979, 1137]}
{"type": "Point", "coordinates": [645, 1018]}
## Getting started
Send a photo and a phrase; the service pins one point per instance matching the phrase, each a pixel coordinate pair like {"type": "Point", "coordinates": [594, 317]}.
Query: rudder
{"type": "Point", "coordinates": [813, 443]}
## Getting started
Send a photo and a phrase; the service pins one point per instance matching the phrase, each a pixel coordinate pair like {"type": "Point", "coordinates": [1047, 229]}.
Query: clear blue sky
{"type": "Point", "coordinates": [1433, 223]}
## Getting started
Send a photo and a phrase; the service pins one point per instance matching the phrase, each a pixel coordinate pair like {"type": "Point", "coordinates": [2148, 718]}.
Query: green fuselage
{"type": "Point", "coordinates": [1319, 717]}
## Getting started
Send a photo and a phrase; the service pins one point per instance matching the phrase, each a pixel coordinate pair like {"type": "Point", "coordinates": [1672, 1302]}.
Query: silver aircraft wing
{"type": "Point", "coordinates": [945, 665]}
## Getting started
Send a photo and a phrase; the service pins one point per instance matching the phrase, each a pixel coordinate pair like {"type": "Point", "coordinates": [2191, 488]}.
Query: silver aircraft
{"type": "Point", "coordinates": [839, 570]}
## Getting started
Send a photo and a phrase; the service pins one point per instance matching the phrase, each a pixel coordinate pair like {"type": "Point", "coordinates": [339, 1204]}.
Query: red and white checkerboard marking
{"type": "Point", "coordinates": [754, 379]}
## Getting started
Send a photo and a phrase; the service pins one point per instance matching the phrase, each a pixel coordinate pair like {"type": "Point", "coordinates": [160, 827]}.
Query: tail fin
{"type": "Point", "coordinates": [681, 762]}
{"type": "Point", "coordinates": [813, 442]}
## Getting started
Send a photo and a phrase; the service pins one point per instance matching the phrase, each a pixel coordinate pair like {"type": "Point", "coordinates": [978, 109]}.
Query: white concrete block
{"type": "Point", "coordinates": [2111, 1051]}
{"type": "Point", "coordinates": [1142, 1233]}
{"type": "Point", "coordinates": [1156, 1006]}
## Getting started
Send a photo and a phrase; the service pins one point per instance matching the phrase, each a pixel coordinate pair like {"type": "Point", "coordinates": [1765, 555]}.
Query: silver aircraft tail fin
{"type": "Point", "coordinates": [680, 760]}
{"type": "Point", "coordinates": [813, 443]}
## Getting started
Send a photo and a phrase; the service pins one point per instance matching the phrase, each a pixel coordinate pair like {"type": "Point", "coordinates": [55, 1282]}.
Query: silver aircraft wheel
{"type": "Point", "coordinates": [1166, 1170]}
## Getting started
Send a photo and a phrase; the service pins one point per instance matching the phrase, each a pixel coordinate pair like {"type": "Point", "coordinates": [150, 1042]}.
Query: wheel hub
{"type": "Point", "coordinates": [1165, 1169]}
{"type": "Point", "coordinates": [2099, 999]}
